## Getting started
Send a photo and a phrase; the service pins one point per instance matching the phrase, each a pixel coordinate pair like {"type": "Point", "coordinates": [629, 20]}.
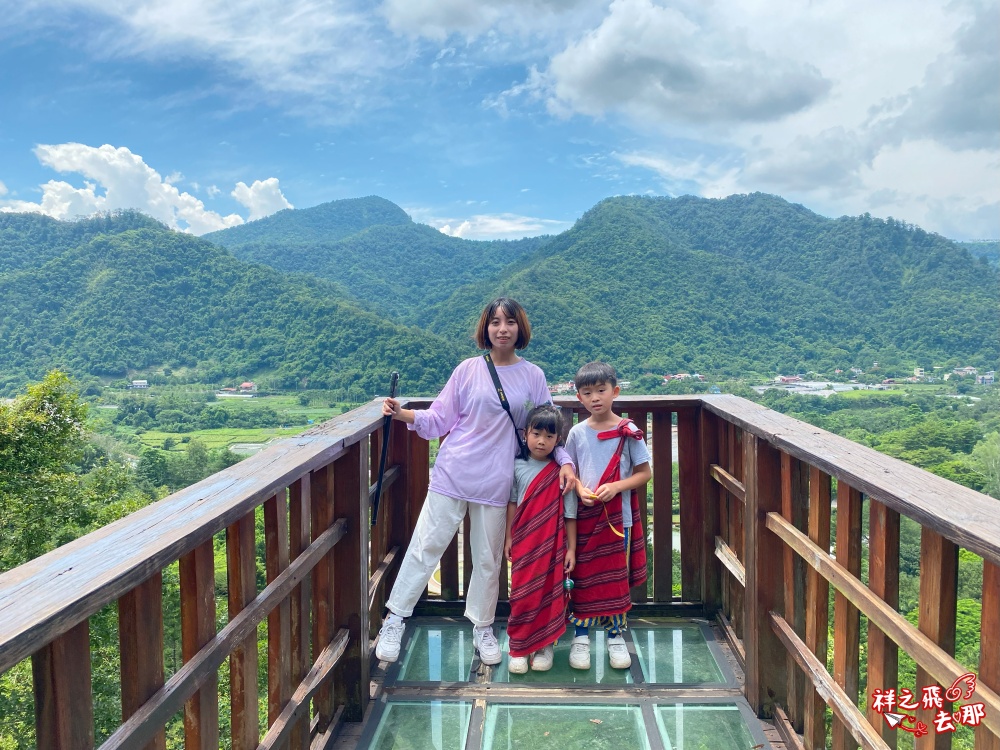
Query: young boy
{"type": "Point", "coordinates": [541, 545]}
{"type": "Point", "coordinates": [612, 461]}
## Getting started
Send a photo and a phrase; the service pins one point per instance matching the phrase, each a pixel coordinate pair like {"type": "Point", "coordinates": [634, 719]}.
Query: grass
{"type": "Point", "coordinates": [217, 438]}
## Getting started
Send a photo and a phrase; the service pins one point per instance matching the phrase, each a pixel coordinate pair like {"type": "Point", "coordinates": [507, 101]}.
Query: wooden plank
{"type": "Point", "coordinates": [728, 558]}
{"type": "Point", "coordinates": [64, 705]}
{"type": "Point", "coordinates": [299, 525]}
{"type": "Point", "coordinates": [989, 647]}
{"type": "Point", "coordinates": [844, 709]}
{"type": "Point", "coordinates": [737, 536]}
{"type": "Point", "coordinates": [193, 675]}
{"type": "Point", "coordinates": [242, 574]}
{"type": "Point", "coordinates": [711, 592]}
{"type": "Point", "coordinates": [962, 515]}
{"type": "Point", "coordinates": [48, 595]}
{"type": "Point", "coordinates": [197, 585]}
{"type": "Point", "coordinates": [724, 511]}
{"type": "Point", "coordinates": [140, 639]}
{"type": "Point", "coordinates": [727, 480]}
{"type": "Point", "coordinates": [735, 644]}
{"type": "Point", "coordinates": [279, 620]}
{"type": "Point", "coordinates": [785, 728]}
{"type": "Point", "coordinates": [846, 618]}
{"type": "Point", "coordinates": [795, 508]}
{"type": "Point", "coordinates": [938, 611]}
{"type": "Point", "coordinates": [449, 570]}
{"type": "Point", "coordinates": [350, 594]}
{"type": "Point", "coordinates": [766, 682]}
{"type": "Point", "coordinates": [692, 512]}
{"type": "Point", "coordinates": [466, 554]}
{"type": "Point", "coordinates": [663, 470]}
{"type": "Point", "coordinates": [297, 708]}
{"type": "Point", "coordinates": [391, 559]}
{"type": "Point", "coordinates": [397, 531]}
{"type": "Point", "coordinates": [417, 478]}
{"type": "Point", "coordinates": [883, 580]}
{"type": "Point", "coordinates": [817, 607]}
{"type": "Point", "coordinates": [379, 533]}
{"type": "Point", "coordinates": [323, 577]}
{"type": "Point", "coordinates": [641, 420]}
{"type": "Point", "coordinates": [939, 665]}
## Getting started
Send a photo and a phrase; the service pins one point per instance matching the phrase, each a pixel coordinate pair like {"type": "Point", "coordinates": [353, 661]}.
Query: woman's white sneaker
{"type": "Point", "coordinates": [542, 659]}
{"type": "Point", "coordinates": [618, 653]}
{"type": "Point", "coordinates": [517, 664]}
{"type": "Point", "coordinates": [389, 638]}
{"type": "Point", "coordinates": [579, 652]}
{"type": "Point", "coordinates": [487, 645]}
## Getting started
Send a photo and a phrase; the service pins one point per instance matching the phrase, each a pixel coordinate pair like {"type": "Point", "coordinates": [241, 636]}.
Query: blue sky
{"type": "Point", "coordinates": [500, 119]}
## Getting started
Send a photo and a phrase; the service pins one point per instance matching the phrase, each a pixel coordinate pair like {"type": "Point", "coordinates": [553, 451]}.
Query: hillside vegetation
{"type": "Point", "coordinates": [153, 298]}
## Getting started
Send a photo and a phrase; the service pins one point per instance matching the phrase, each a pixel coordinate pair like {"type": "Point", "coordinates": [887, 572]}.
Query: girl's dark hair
{"type": "Point", "coordinates": [507, 306]}
{"type": "Point", "coordinates": [547, 417]}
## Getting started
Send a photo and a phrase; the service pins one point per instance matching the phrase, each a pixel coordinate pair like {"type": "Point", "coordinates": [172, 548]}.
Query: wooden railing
{"type": "Point", "coordinates": [756, 514]}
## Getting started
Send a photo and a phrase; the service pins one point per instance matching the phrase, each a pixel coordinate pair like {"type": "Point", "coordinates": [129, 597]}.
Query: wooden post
{"type": "Point", "coordinates": [396, 531]}
{"type": "Point", "coordinates": [299, 525]}
{"type": "Point", "coordinates": [641, 420]}
{"type": "Point", "coordinates": [711, 496]}
{"type": "Point", "coordinates": [242, 559]}
{"type": "Point", "coordinates": [64, 704]}
{"type": "Point", "coordinates": [350, 594]}
{"type": "Point", "coordinates": [736, 526]}
{"type": "Point", "coordinates": [938, 610]}
{"type": "Point", "coordinates": [795, 508]}
{"type": "Point", "coordinates": [817, 607]}
{"type": "Point", "coordinates": [766, 682]}
{"type": "Point", "coordinates": [140, 638]}
{"type": "Point", "coordinates": [279, 625]}
{"type": "Point", "coordinates": [197, 583]}
{"type": "Point", "coordinates": [692, 513]}
{"type": "Point", "coordinates": [883, 580]}
{"type": "Point", "coordinates": [321, 491]}
{"type": "Point", "coordinates": [846, 618]}
{"type": "Point", "coordinates": [663, 470]}
{"type": "Point", "coordinates": [989, 646]}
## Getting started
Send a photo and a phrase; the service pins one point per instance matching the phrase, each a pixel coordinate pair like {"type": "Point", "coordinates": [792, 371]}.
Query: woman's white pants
{"type": "Point", "coordinates": [439, 520]}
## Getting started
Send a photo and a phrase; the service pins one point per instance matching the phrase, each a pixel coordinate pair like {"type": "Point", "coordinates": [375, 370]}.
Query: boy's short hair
{"type": "Point", "coordinates": [595, 373]}
{"type": "Point", "coordinates": [512, 308]}
{"type": "Point", "coordinates": [547, 417]}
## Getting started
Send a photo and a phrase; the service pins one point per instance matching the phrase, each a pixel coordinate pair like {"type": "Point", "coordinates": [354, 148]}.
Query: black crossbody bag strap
{"type": "Point", "coordinates": [522, 447]}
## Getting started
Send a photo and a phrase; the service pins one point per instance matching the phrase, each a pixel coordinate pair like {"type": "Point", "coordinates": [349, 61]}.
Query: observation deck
{"type": "Point", "coordinates": [730, 639]}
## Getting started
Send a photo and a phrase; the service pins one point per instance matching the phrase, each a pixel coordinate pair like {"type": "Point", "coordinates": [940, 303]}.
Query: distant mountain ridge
{"type": "Point", "coordinates": [135, 299]}
{"type": "Point", "coordinates": [745, 284]}
{"type": "Point", "coordinates": [371, 248]}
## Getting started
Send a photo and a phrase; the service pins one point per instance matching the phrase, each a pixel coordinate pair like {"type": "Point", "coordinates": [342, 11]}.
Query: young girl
{"type": "Point", "coordinates": [540, 544]}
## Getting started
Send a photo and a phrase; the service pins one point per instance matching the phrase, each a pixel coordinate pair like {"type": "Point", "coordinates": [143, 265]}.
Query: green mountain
{"type": "Point", "coordinates": [150, 297]}
{"type": "Point", "coordinates": [372, 249]}
{"type": "Point", "coordinates": [750, 283]}
{"type": "Point", "coordinates": [989, 249]}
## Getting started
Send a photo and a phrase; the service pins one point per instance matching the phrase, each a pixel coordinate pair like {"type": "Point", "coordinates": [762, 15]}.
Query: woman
{"type": "Point", "coordinates": [473, 473]}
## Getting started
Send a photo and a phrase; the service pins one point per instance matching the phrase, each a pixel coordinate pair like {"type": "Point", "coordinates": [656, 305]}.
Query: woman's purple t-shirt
{"type": "Point", "coordinates": [476, 460]}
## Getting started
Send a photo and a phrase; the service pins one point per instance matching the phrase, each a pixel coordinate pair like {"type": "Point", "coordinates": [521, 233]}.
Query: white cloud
{"type": "Point", "coordinates": [326, 49]}
{"type": "Point", "coordinates": [213, 191]}
{"type": "Point", "coordinates": [115, 178]}
{"type": "Point", "coordinates": [498, 226]}
{"type": "Point", "coordinates": [263, 198]}
{"type": "Point", "coordinates": [3, 188]}
{"type": "Point", "coordinates": [709, 179]}
{"type": "Point", "coordinates": [439, 19]}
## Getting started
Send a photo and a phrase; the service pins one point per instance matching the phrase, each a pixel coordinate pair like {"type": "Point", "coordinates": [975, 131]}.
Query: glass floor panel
{"type": "Point", "coordinates": [692, 726]}
{"type": "Point", "coordinates": [600, 672]}
{"type": "Point", "coordinates": [414, 726]}
{"type": "Point", "coordinates": [539, 727]}
{"type": "Point", "coordinates": [440, 652]}
{"type": "Point", "coordinates": [675, 654]}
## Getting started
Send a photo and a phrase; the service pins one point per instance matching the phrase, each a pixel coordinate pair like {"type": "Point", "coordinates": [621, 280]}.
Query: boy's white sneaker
{"type": "Point", "coordinates": [618, 653]}
{"type": "Point", "coordinates": [486, 643]}
{"type": "Point", "coordinates": [542, 660]}
{"type": "Point", "coordinates": [389, 638]}
{"type": "Point", "coordinates": [579, 652]}
{"type": "Point", "coordinates": [517, 664]}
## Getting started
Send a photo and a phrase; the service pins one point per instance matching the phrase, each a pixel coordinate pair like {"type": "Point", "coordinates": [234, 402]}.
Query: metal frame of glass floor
{"type": "Point", "coordinates": [681, 693]}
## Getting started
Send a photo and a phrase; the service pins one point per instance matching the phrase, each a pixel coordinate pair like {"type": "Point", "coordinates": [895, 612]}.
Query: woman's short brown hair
{"type": "Point", "coordinates": [511, 308]}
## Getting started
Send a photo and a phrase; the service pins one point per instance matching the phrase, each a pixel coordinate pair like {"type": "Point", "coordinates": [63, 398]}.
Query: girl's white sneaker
{"type": "Point", "coordinates": [517, 664]}
{"type": "Point", "coordinates": [618, 653]}
{"type": "Point", "coordinates": [579, 652]}
{"type": "Point", "coordinates": [542, 660]}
